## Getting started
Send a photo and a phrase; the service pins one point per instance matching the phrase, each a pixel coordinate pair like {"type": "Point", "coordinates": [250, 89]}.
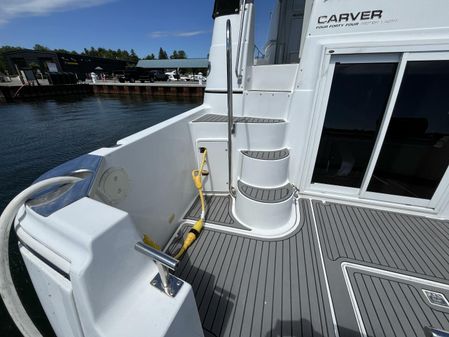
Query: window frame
{"type": "Point", "coordinates": [402, 58]}
{"type": "Point", "coordinates": [443, 186]}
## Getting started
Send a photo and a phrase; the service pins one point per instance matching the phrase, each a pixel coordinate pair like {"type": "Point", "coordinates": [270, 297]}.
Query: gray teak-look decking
{"type": "Point", "coordinates": [247, 286]}
{"type": "Point", "coordinates": [252, 287]}
{"type": "Point", "coordinates": [214, 118]}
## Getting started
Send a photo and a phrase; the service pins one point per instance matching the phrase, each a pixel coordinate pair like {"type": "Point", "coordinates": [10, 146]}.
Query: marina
{"type": "Point", "coordinates": [294, 190]}
{"type": "Point", "coordinates": [171, 90]}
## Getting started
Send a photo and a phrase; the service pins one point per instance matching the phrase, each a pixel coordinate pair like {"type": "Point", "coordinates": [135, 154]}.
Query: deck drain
{"type": "Point", "coordinates": [436, 298]}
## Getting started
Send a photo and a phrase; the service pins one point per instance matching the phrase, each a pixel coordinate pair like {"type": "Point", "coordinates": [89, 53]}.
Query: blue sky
{"type": "Point", "coordinates": [144, 25]}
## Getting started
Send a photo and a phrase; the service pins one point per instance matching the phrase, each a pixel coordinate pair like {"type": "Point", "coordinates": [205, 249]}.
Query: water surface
{"type": "Point", "coordinates": [37, 136]}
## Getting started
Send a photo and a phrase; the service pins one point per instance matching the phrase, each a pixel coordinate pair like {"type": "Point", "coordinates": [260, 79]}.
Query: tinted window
{"type": "Point", "coordinates": [415, 153]}
{"type": "Point", "coordinates": [356, 106]}
{"type": "Point", "coordinates": [226, 7]}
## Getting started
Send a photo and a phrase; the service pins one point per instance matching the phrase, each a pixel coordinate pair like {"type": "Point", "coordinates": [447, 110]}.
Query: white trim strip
{"type": "Point", "coordinates": [346, 265]}
{"type": "Point", "coordinates": [334, 319]}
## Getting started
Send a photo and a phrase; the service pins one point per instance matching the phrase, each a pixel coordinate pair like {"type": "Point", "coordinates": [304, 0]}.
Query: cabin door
{"type": "Point", "coordinates": [385, 132]}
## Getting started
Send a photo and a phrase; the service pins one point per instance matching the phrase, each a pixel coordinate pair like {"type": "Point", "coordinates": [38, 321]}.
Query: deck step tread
{"type": "Point", "coordinates": [267, 155]}
{"type": "Point", "coordinates": [215, 118]}
{"type": "Point", "coordinates": [267, 195]}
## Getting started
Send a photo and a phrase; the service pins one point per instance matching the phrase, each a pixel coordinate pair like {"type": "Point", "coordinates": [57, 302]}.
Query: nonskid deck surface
{"type": "Point", "coordinates": [394, 306]}
{"type": "Point", "coordinates": [214, 118]}
{"type": "Point", "coordinates": [267, 195]}
{"type": "Point", "coordinates": [383, 262]}
{"type": "Point", "coordinates": [389, 259]}
{"type": "Point", "coordinates": [252, 287]}
{"type": "Point", "coordinates": [398, 242]}
{"type": "Point", "coordinates": [267, 155]}
{"type": "Point", "coordinates": [218, 211]}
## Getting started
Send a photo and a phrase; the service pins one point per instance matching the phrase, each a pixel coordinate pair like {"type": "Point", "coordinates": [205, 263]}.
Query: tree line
{"type": "Point", "coordinates": [119, 54]}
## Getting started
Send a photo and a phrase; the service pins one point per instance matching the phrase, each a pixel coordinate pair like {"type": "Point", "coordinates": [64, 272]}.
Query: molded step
{"type": "Point", "coordinates": [264, 168]}
{"type": "Point", "coordinates": [247, 136]}
{"type": "Point", "coordinates": [214, 118]}
{"type": "Point", "coordinates": [264, 209]}
{"type": "Point", "coordinates": [266, 195]}
{"type": "Point", "coordinates": [267, 155]}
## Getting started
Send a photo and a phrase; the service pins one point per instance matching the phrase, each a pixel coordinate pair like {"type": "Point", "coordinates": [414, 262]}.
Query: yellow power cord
{"type": "Point", "coordinates": [196, 229]}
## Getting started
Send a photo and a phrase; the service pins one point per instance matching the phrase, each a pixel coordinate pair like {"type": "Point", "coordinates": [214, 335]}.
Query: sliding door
{"type": "Point", "coordinates": [414, 155]}
{"type": "Point", "coordinates": [385, 132]}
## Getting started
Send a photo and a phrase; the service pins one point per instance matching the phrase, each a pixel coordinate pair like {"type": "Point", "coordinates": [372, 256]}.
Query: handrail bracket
{"type": "Point", "coordinates": [164, 281]}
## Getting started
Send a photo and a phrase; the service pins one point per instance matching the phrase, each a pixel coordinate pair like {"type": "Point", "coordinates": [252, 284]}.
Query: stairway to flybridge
{"type": "Point", "coordinates": [260, 160]}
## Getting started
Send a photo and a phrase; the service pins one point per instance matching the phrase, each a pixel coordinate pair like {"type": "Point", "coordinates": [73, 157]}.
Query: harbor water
{"type": "Point", "coordinates": [37, 136]}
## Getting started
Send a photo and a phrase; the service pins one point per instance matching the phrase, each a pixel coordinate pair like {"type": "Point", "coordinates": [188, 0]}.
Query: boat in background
{"type": "Point", "coordinates": [320, 200]}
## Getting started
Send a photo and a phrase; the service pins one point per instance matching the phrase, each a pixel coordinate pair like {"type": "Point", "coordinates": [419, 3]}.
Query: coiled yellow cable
{"type": "Point", "coordinates": [196, 229]}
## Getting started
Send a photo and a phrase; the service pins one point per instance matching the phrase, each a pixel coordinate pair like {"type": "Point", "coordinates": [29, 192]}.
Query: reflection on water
{"type": "Point", "coordinates": [37, 136]}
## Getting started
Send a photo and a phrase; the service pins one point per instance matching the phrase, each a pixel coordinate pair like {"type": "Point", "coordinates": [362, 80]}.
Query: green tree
{"type": "Point", "coordinates": [162, 54]}
{"type": "Point", "coordinates": [178, 54]}
{"type": "Point", "coordinates": [3, 50]}
{"type": "Point", "coordinates": [174, 55]}
{"type": "Point", "coordinates": [118, 54]}
{"type": "Point", "coordinates": [133, 56]}
{"type": "Point", "coordinates": [65, 51]}
{"type": "Point", "coordinates": [40, 47]}
{"type": "Point", "coordinates": [150, 57]}
{"type": "Point", "coordinates": [182, 54]}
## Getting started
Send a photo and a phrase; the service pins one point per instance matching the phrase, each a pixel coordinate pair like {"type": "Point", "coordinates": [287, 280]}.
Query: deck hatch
{"type": "Point", "coordinates": [436, 298]}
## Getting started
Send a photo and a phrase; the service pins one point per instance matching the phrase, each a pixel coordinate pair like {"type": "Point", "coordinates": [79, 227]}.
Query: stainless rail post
{"type": "Point", "coordinates": [231, 125]}
{"type": "Point", "coordinates": [164, 281]}
{"type": "Point", "coordinates": [237, 60]}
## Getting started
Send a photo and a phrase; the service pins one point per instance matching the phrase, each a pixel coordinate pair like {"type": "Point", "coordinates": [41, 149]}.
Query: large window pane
{"type": "Point", "coordinates": [415, 153]}
{"type": "Point", "coordinates": [357, 102]}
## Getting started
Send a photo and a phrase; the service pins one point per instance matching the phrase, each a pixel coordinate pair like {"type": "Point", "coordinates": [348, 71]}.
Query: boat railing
{"type": "Point", "coordinates": [164, 281]}
{"type": "Point", "coordinates": [238, 68]}
{"type": "Point", "coordinates": [231, 125]}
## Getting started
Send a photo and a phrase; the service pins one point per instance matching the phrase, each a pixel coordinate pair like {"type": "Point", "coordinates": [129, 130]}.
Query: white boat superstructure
{"type": "Point", "coordinates": [326, 189]}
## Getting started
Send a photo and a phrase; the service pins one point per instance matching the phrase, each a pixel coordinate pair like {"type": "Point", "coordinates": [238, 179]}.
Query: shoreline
{"type": "Point", "coordinates": [17, 93]}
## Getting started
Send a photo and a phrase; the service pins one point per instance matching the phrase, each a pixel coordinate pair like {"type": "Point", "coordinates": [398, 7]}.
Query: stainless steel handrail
{"type": "Point", "coordinates": [157, 255]}
{"type": "Point", "coordinates": [165, 282]}
{"type": "Point", "coordinates": [231, 125]}
{"type": "Point", "coordinates": [237, 59]}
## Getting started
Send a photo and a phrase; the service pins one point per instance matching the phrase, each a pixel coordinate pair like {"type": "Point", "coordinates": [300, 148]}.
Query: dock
{"type": "Point", "coordinates": [9, 94]}
{"type": "Point", "coordinates": [158, 89]}
{"type": "Point", "coordinates": [14, 92]}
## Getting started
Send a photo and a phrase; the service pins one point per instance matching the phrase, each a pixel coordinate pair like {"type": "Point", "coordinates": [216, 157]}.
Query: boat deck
{"type": "Point", "coordinates": [345, 271]}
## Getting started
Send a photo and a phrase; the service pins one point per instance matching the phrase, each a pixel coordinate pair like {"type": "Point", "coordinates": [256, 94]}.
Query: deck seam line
{"type": "Point", "coordinates": [398, 239]}
{"type": "Point", "coordinates": [325, 325]}
{"type": "Point", "coordinates": [334, 320]}
{"type": "Point", "coordinates": [396, 315]}
{"type": "Point", "coordinates": [356, 227]}
{"type": "Point", "coordinates": [410, 234]}
{"type": "Point", "coordinates": [239, 286]}
{"type": "Point", "coordinates": [400, 303]}
{"type": "Point", "coordinates": [226, 278]}
{"type": "Point", "coordinates": [386, 233]}
{"type": "Point", "coordinates": [424, 230]}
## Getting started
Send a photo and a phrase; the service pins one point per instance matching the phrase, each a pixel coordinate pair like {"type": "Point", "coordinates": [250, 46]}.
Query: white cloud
{"type": "Point", "coordinates": [10, 9]}
{"type": "Point", "coordinates": [159, 34]}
